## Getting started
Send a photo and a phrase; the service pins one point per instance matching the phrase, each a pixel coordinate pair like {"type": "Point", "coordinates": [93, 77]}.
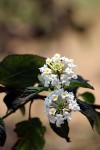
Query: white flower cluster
{"type": "Point", "coordinates": [57, 71]}
{"type": "Point", "coordinates": [59, 106]}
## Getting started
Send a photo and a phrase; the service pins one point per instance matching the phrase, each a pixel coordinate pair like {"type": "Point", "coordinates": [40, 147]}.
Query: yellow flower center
{"type": "Point", "coordinates": [55, 97]}
{"type": "Point", "coordinates": [52, 111]}
{"type": "Point", "coordinates": [47, 71]}
{"type": "Point", "coordinates": [58, 66]}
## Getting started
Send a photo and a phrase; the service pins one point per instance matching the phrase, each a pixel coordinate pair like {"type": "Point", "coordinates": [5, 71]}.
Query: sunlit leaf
{"type": "Point", "coordinates": [2, 133]}
{"type": "Point", "coordinates": [30, 134]}
{"type": "Point", "coordinates": [88, 97]}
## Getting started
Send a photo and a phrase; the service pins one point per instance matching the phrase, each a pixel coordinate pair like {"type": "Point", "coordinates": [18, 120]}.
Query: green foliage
{"type": "Point", "coordinates": [88, 111]}
{"type": "Point", "coordinates": [62, 131]}
{"type": "Point", "coordinates": [80, 82]}
{"type": "Point", "coordinates": [18, 75]}
{"type": "Point", "coordinates": [20, 71]}
{"type": "Point", "coordinates": [97, 123]}
{"type": "Point", "coordinates": [9, 100]}
{"type": "Point", "coordinates": [33, 89]}
{"type": "Point", "coordinates": [88, 97]}
{"type": "Point", "coordinates": [14, 101]}
{"type": "Point", "coordinates": [30, 134]}
{"type": "Point", "coordinates": [2, 133]}
{"type": "Point", "coordinates": [30, 92]}
{"type": "Point", "coordinates": [26, 97]}
{"type": "Point", "coordinates": [22, 110]}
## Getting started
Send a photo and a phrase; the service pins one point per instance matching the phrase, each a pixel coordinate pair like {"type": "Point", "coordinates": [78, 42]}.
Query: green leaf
{"type": "Point", "coordinates": [33, 89]}
{"type": "Point", "coordinates": [30, 92]}
{"type": "Point", "coordinates": [62, 131]}
{"type": "Point", "coordinates": [9, 100]}
{"type": "Point", "coordinates": [20, 71]}
{"type": "Point", "coordinates": [88, 97]}
{"type": "Point", "coordinates": [13, 100]}
{"type": "Point", "coordinates": [17, 102]}
{"type": "Point", "coordinates": [22, 110]}
{"type": "Point", "coordinates": [88, 111]}
{"type": "Point", "coordinates": [97, 123]}
{"type": "Point", "coordinates": [30, 134]}
{"type": "Point", "coordinates": [80, 82]}
{"type": "Point", "coordinates": [2, 133]}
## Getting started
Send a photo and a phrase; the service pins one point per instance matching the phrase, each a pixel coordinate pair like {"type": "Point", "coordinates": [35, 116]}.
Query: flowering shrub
{"type": "Point", "coordinates": [19, 74]}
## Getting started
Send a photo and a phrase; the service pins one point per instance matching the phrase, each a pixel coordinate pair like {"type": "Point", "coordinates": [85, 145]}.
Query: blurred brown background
{"type": "Point", "coordinates": [46, 27]}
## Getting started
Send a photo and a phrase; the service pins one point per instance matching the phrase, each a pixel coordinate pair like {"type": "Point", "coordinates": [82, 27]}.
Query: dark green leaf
{"type": "Point", "coordinates": [31, 135]}
{"type": "Point", "coordinates": [80, 82]}
{"type": "Point", "coordinates": [2, 133]}
{"type": "Point", "coordinates": [88, 97]}
{"type": "Point", "coordinates": [20, 71]}
{"type": "Point", "coordinates": [97, 123]}
{"type": "Point", "coordinates": [30, 92]}
{"type": "Point", "coordinates": [88, 111]}
{"type": "Point", "coordinates": [62, 131]}
{"type": "Point", "coordinates": [25, 97]}
{"type": "Point", "coordinates": [22, 110]}
{"type": "Point", "coordinates": [9, 100]}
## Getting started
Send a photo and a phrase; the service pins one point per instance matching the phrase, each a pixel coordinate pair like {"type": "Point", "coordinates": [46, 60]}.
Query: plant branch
{"type": "Point", "coordinates": [24, 101]}
{"type": "Point", "coordinates": [95, 106]}
{"type": "Point", "coordinates": [30, 106]}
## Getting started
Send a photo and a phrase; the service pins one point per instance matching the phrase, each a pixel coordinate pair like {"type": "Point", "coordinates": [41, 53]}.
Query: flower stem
{"type": "Point", "coordinates": [30, 106]}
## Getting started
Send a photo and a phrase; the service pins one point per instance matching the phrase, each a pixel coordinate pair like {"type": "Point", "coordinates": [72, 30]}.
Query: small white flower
{"type": "Point", "coordinates": [59, 120]}
{"type": "Point", "coordinates": [71, 64]}
{"type": "Point", "coordinates": [46, 81]}
{"type": "Point", "coordinates": [55, 82]}
{"type": "Point", "coordinates": [65, 111]}
{"type": "Point", "coordinates": [64, 95]}
{"type": "Point", "coordinates": [74, 106]}
{"type": "Point", "coordinates": [67, 117]}
{"type": "Point", "coordinates": [64, 79]}
{"type": "Point", "coordinates": [48, 101]}
{"type": "Point", "coordinates": [55, 97]}
{"type": "Point", "coordinates": [41, 79]}
{"type": "Point", "coordinates": [56, 57]}
{"type": "Point", "coordinates": [47, 110]}
{"type": "Point", "coordinates": [48, 61]}
{"type": "Point", "coordinates": [52, 118]}
{"type": "Point", "coordinates": [47, 71]}
{"type": "Point", "coordinates": [64, 61]}
{"type": "Point", "coordinates": [42, 69]}
{"type": "Point", "coordinates": [52, 111]}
